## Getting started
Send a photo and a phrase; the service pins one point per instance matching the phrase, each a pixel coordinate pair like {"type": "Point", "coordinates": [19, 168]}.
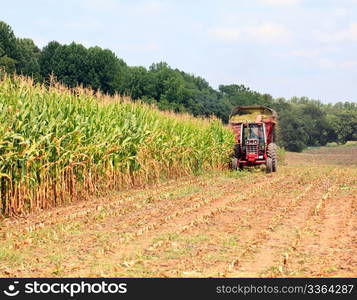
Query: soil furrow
{"type": "Point", "coordinates": [299, 222]}
{"type": "Point", "coordinates": [327, 245]}
{"type": "Point", "coordinates": [245, 206]}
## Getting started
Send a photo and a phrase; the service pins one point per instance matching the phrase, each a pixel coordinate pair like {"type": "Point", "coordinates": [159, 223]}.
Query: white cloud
{"type": "Point", "coordinates": [280, 2]}
{"type": "Point", "coordinates": [341, 12]}
{"type": "Point", "coordinates": [152, 7]}
{"type": "Point", "coordinates": [227, 34]}
{"type": "Point", "coordinates": [153, 46]}
{"type": "Point", "coordinates": [263, 32]}
{"type": "Point", "coordinates": [349, 64]}
{"type": "Point", "coordinates": [268, 32]}
{"type": "Point", "coordinates": [80, 24]}
{"type": "Point", "coordinates": [348, 34]}
{"type": "Point", "coordinates": [306, 53]}
{"type": "Point", "coordinates": [101, 4]}
{"type": "Point", "coordinates": [327, 63]}
{"type": "Point", "coordinates": [147, 7]}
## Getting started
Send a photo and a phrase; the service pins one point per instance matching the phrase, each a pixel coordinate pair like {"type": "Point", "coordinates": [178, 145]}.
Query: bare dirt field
{"type": "Point", "coordinates": [298, 222]}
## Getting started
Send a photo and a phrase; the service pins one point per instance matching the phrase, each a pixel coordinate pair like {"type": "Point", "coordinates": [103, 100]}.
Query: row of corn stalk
{"type": "Point", "coordinates": [59, 145]}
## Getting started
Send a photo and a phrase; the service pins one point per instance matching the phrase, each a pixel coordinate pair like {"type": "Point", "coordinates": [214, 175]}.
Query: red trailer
{"type": "Point", "coordinates": [254, 129]}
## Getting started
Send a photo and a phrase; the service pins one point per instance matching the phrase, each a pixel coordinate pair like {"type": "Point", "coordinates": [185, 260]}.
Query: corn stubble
{"type": "Point", "coordinates": [59, 145]}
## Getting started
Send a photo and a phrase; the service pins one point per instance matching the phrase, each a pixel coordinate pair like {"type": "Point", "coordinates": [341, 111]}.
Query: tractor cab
{"type": "Point", "coordinates": [253, 141]}
{"type": "Point", "coordinates": [254, 127]}
{"type": "Point", "coordinates": [250, 141]}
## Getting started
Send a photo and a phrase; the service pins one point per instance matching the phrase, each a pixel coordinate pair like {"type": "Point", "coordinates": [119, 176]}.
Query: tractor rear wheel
{"type": "Point", "coordinates": [272, 153]}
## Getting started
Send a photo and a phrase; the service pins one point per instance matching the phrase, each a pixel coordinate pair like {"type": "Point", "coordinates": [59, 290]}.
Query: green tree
{"type": "Point", "coordinates": [292, 133]}
{"type": "Point", "coordinates": [344, 124]}
{"type": "Point", "coordinates": [135, 82]}
{"type": "Point", "coordinates": [241, 95]}
{"type": "Point", "coordinates": [104, 70]}
{"type": "Point", "coordinates": [48, 58]}
{"type": "Point", "coordinates": [29, 55]}
{"type": "Point", "coordinates": [70, 64]}
{"type": "Point", "coordinates": [315, 124]}
{"type": "Point", "coordinates": [9, 53]}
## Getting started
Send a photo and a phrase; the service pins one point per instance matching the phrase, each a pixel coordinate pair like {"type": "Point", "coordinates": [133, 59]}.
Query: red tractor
{"type": "Point", "coordinates": [254, 129]}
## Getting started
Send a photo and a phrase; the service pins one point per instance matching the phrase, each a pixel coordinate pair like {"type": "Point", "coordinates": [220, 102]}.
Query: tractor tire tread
{"type": "Point", "coordinates": [272, 153]}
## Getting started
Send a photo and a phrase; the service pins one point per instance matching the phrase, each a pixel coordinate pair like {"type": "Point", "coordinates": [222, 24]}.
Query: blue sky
{"type": "Point", "coordinates": [282, 47]}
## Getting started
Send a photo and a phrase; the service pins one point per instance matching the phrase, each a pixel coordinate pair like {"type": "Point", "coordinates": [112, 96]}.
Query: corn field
{"type": "Point", "coordinates": [58, 145]}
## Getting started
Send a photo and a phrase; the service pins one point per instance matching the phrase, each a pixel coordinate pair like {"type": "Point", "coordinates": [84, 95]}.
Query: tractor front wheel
{"type": "Point", "coordinates": [269, 165]}
{"type": "Point", "coordinates": [234, 163]}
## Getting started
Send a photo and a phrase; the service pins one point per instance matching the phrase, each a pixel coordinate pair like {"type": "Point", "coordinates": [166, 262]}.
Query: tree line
{"type": "Point", "coordinates": [302, 121]}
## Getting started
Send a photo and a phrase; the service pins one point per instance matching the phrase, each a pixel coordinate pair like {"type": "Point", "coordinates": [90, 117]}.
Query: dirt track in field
{"type": "Point", "coordinates": [299, 222]}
